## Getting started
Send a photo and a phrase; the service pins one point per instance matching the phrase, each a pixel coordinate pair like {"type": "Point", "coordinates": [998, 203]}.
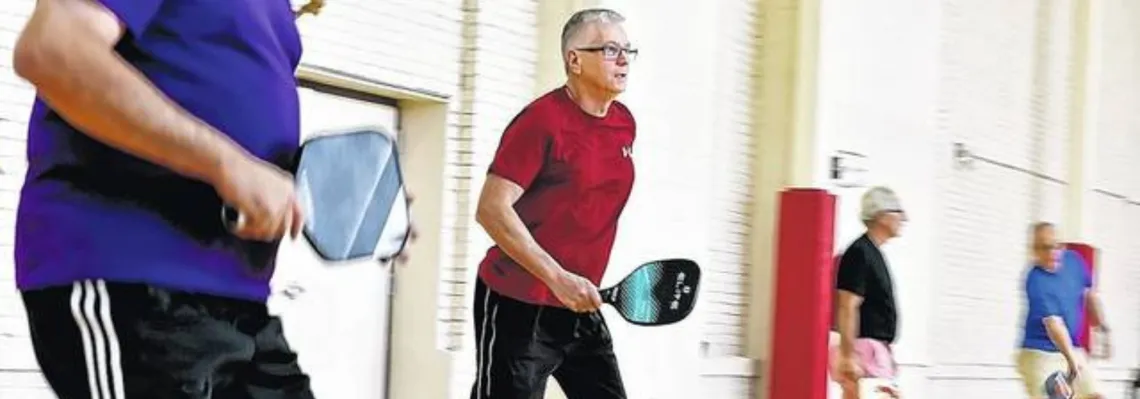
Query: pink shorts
{"type": "Point", "coordinates": [875, 358]}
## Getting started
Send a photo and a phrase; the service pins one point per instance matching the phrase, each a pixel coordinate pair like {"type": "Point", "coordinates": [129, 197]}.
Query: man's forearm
{"type": "Point", "coordinates": [505, 227]}
{"type": "Point", "coordinates": [1059, 334]}
{"type": "Point", "coordinates": [848, 329]}
{"type": "Point", "coordinates": [1095, 310]}
{"type": "Point", "coordinates": [99, 93]}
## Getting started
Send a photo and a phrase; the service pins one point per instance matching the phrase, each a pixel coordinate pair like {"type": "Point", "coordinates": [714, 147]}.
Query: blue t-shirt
{"type": "Point", "coordinates": [1057, 293]}
{"type": "Point", "coordinates": [88, 211]}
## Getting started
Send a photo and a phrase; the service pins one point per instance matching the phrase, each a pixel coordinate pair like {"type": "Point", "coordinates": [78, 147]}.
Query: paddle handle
{"type": "Point", "coordinates": [609, 295]}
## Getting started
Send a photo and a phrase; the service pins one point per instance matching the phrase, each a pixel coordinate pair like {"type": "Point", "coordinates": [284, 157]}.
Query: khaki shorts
{"type": "Point", "coordinates": [1035, 366]}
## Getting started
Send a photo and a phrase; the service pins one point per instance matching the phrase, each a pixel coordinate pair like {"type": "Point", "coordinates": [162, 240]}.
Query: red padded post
{"type": "Point", "coordinates": [1088, 253]}
{"type": "Point", "coordinates": [805, 239]}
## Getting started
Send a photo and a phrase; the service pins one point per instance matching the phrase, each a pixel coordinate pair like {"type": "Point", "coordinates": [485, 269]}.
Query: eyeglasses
{"type": "Point", "coordinates": [902, 215]}
{"type": "Point", "coordinates": [611, 51]}
{"type": "Point", "coordinates": [1048, 247]}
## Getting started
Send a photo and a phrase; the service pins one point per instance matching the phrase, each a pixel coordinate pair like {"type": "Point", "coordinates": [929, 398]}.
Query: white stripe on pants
{"type": "Point", "coordinates": [91, 309]}
{"type": "Point", "coordinates": [486, 348]}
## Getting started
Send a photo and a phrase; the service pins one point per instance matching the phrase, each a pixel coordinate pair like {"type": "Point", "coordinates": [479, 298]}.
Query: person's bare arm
{"type": "Point", "coordinates": [497, 215]}
{"type": "Point", "coordinates": [848, 323]}
{"type": "Point", "coordinates": [1059, 334]}
{"type": "Point", "coordinates": [67, 52]}
{"type": "Point", "coordinates": [1095, 310]}
{"type": "Point", "coordinates": [1097, 320]}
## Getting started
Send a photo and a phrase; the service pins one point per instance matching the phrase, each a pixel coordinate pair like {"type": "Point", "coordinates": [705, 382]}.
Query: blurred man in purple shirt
{"type": "Point", "coordinates": [149, 115]}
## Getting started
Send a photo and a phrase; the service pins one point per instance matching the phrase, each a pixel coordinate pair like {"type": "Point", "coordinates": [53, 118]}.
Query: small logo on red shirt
{"type": "Point", "coordinates": [626, 151]}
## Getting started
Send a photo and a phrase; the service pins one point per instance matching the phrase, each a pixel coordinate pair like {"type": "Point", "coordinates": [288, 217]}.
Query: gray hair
{"type": "Point", "coordinates": [878, 200]}
{"type": "Point", "coordinates": [586, 17]}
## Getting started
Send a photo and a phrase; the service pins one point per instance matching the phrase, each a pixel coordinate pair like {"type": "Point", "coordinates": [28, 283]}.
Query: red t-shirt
{"type": "Point", "coordinates": [576, 171]}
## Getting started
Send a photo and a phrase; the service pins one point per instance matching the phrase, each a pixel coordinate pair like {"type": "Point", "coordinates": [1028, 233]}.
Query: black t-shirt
{"type": "Point", "coordinates": [863, 272]}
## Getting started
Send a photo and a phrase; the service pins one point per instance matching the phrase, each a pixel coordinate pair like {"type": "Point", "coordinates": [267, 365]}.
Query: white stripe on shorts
{"type": "Point", "coordinates": [91, 309]}
{"type": "Point", "coordinates": [486, 346]}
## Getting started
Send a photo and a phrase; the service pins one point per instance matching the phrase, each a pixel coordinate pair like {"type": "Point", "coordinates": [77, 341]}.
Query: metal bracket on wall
{"type": "Point", "coordinates": [964, 159]}
{"type": "Point", "coordinates": [840, 167]}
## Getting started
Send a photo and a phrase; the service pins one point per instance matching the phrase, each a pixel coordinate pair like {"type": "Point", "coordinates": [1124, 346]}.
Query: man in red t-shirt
{"type": "Point", "coordinates": [553, 196]}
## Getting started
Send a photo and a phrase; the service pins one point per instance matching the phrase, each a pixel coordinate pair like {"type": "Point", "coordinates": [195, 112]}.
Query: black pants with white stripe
{"type": "Point", "coordinates": [521, 345]}
{"type": "Point", "coordinates": [103, 340]}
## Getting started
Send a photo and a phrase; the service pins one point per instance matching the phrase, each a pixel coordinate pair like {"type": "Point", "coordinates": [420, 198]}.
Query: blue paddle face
{"type": "Point", "coordinates": [352, 192]}
{"type": "Point", "coordinates": [656, 293]}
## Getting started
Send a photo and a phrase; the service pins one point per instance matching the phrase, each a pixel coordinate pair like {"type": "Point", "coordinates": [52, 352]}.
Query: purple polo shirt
{"type": "Point", "coordinates": [88, 211]}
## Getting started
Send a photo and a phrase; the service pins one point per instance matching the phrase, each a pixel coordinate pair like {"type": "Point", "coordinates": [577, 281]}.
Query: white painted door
{"type": "Point", "coordinates": [338, 324]}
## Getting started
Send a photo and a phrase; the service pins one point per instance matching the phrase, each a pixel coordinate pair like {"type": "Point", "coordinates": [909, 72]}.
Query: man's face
{"type": "Point", "coordinates": [892, 222]}
{"type": "Point", "coordinates": [600, 57]}
{"type": "Point", "coordinates": [895, 221]}
{"type": "Point", "coordinates": [1046, 250]}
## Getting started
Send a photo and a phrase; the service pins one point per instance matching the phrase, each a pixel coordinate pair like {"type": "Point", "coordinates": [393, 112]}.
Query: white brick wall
{"type": "Point", "coordinates": [1053, 78]}
{"type": "Point", "coordinates": [1114, 220]}
{"type": "Point", "coordinates": [1119, 84]}
{"type": "Point", "coordinates": [18, 378]}
{"type": "Point", "coordinates": [500, 54]}
{"type": "Point", "coordinates": [498, 62]}
{"type": "Point", "coordinates": [23, 384]}
{"type": "Point", "coordinates": [409, 43]}
{"type": "Point", "coordinates": [729, 165]}
{"type": "Point", "coordinates": [1002, 86]}
{"type": "Point", "coordinates": [1012, 109]}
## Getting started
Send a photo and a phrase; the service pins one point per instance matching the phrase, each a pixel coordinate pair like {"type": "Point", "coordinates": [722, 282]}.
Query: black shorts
{"type": "Point", "coordinates": [521, 345]}
{"type": "Point", "coordinates": [137, 341]}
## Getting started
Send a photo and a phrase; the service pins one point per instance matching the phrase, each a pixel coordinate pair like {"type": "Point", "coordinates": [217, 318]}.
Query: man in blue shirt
{"type": "Point", "coordinates": [1057, 289]}
{"type": "Point", "coordinates": [149, 115]}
